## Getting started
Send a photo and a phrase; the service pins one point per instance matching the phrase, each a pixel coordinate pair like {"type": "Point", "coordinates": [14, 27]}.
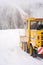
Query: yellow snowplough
{"type": "Point", "coordinates": [32, 41]}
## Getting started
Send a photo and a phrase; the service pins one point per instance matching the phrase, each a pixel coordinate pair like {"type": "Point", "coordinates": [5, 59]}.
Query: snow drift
{"type": "Point", "coordinates": [10, 52]}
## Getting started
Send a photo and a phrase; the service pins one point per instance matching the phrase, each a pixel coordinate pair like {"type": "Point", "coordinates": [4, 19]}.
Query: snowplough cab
{"type": "Point", "coordinates": [32, 42]}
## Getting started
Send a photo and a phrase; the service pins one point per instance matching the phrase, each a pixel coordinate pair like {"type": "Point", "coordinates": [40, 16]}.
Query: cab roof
{"type": "Point", "coordinates": [33, 18]}
{"type": "Point", "coordinates": [38, 18]}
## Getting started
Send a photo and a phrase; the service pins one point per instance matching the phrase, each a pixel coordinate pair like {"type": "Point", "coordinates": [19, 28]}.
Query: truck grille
{"type": "Point", "coordinates": [42, 39]}
{"type": "Point", "coordinates": [41, 35]}
{"type": "Point", "coordinates": [42, 43]}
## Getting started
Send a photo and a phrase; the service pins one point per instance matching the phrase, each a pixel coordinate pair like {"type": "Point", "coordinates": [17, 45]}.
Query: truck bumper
{"type": "Point", "coordinates": [40, 51]}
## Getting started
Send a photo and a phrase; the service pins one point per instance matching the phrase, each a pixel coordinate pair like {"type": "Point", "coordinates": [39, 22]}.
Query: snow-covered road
{"type": "Point", "coordinates": [11, 53]}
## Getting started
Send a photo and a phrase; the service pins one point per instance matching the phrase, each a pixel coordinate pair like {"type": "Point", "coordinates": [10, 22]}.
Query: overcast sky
{"type": "Point", "coordinates": [19, 2]}
{"type": "Point", "coordinates": [25, 4]}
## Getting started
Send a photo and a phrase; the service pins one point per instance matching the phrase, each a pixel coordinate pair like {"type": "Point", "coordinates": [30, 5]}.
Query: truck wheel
{"type": "Point", "coordinates": [27, 50]}
{"type": "Point", "coordinates": [34, 53]}
{"type": "Point", "coordinates": [31, 50]}
{"type": "Point", "coordinates": [22, 45]}
{"type": "Point", "coordinates": [25, 46]}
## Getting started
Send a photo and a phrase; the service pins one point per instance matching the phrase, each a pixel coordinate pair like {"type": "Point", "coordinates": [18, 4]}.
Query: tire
{"type": "Point", "coordinates": [27, 50]}
{"type": "Point", "coordinates": [34, 53]}
{"type": "Point", "coordinates": [22, 45]}
{"type": "Point", "coordinates": [25, 46]}
{"type": "Point", "coordinates": [31, 50]}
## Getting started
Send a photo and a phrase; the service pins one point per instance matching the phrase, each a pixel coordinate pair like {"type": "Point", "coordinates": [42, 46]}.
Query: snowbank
{"type": "Point", "coordinates": [10, 52]}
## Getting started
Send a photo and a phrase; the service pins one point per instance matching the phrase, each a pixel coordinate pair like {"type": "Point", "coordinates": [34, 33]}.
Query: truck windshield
{"type": "Point", "coordinates": [36, 25]}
